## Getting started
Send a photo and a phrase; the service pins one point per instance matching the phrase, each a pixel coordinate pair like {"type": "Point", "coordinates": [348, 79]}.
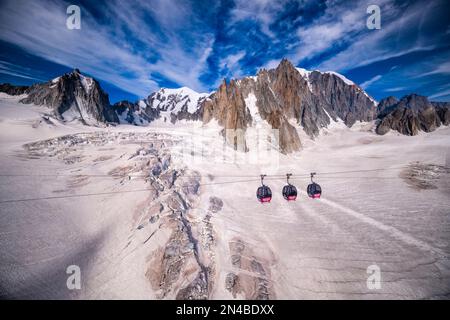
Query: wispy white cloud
{"type": "Point", "coordinates": [441, 94]}
{"type": "Point", "coordinates": [229, 65]}
{"type": "Point", "coordinates": [440, 68]}
{"type": "Point", "coordinates": [396, 38]}
{"type": "Point", "coordinates": [369, 82]}
{"type": "Point", "coordinates": [105, 50]}
{"type": "Point", "coordinates": [409, 77]}
{"type": "Point", "coordinates": [139, 46]}
{"type": "Point", "coordinates": [231, 61]}
{"type": "Point", "coordinates": [336, 25]}
{"type": "Point", "coordinates": [396, 89]}
{"type": "Point", "coordinates": [17, 71]}
{"type": "Point", "coordinates": [261, 11]}
{"type": "Point", "coordinates": [271, 64]}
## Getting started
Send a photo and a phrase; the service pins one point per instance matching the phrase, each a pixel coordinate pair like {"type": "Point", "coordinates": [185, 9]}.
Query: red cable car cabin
{"type": "Point", "coordinates": [289, 191]}
{"type": "Point", "coordinates": [314, 191]}
{"type": "Point", "coordinates": [264, 194]}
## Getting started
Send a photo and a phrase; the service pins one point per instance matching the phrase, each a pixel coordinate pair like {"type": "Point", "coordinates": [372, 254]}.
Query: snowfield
{"type": "Point", "coordinates": [167, 211]}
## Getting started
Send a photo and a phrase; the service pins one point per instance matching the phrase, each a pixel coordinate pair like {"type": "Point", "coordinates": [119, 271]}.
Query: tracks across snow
{"type": "Point", "coordinates": [322, 248]}
{"type": "Point", "coordinates": [392, 231]}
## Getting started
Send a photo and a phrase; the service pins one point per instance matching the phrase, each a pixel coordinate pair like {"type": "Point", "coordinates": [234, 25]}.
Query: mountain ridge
{"type": "Point", "coordinates": [411, 114]}
{"type": "Point", "coordinates": [71, 96]}
{"type": "Point", "coordinates": [286, 98]}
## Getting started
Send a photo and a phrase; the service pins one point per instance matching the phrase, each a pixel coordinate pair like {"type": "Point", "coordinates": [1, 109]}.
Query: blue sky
{"type": "Point", "coordinates": [135, 47]}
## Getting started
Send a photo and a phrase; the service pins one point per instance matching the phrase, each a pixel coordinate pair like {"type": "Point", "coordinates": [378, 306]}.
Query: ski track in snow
{"type": "Point", "coordinates": [389, 229]}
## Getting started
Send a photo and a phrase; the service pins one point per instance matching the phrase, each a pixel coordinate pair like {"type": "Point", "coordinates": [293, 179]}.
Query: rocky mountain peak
{"type": "Point", "coordinates": [73, 96]}
{"type": "Point", "coordinates": [411, 114]}
{"type": "Point", "coordinates": [285, 66]}
{"type": "Point", "coordinates": [415, 102]}
{"type": "Point", "coordinates": [386, 103]}
{"type": "Point", "coordinates": [135, 113]}
{"type": "Point", "coordinates": [227, 106]}
{"type": "Point", "coordinates": [286, 95]}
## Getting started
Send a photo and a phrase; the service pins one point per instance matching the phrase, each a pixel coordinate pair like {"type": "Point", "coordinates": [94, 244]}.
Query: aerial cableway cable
{"type": "Point", "coordinates": [112, 192]}
{"type": "Point", "coordinates": [218, 176]}
{"type": "Point", "coordinates": [264, 193]}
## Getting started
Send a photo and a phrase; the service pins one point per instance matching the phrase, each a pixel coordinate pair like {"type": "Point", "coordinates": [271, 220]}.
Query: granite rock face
{"type": "Point", "coordinates": [227, 106]}
{"type": "Point", "coordinates": [443, 111]}
{"type": "Point", "coordinates": [386, 104]}
{"type": "Point", "coordinates": [413, 113]}
{"type": "Point", "coordinates": [341, 98]}
{"type": "Point", "coordinates": [73, 96]}
{"type": "Point", "coordinates": [288, 98]}
{"type": "Point", "coordinates": [134, 113]}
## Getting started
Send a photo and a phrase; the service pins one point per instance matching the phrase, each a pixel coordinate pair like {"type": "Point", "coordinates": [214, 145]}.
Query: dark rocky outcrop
{"type": "Point", "coordinates": [341, 98]}
{"type": "Point", "coordinates": [413, 113]}
{"type": "Point", "coordinates": [73, 96]}
{"type": "Point", "coordinates": [12, 90]}
{"type": "Point", "coordinates": [443, 111]}
{"type": "Point", "coordinates": [134, 113]}
{"type": "Point", "coordinates": [386, 104]}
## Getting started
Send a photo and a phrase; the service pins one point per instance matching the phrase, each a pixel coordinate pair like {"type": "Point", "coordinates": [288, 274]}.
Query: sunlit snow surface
{"type": "Point", "coordinates": [307, 248]}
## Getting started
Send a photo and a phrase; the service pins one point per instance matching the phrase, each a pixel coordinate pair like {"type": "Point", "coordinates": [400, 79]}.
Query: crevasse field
{"type": "Point", "coordinates": [165, 211]}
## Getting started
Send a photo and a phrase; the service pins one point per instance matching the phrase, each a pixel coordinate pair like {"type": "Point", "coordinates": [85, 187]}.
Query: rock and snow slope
{"type": "Point", "coordinates": [73, 96]}
{"type": "Point", "coordinates": [121, 203]}
{"type": "Point", "coordinates": [312, 99]}
{"type": "Point", "coordinates": [111, 202]}
{"type": "Point", "coordinates": [411, 114]}
{"type": "Point", "coordinates": [285, 98]}
{"type": "Point", "coordinates": [176, 104]}
{"type": "Point", "coordinates": [168, 105]}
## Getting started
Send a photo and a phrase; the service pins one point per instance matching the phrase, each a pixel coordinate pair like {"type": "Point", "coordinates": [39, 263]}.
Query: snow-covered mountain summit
{"type": "Point", "coordinates": [176, 104]}
{"type": "Point", "coordinates": [169, 105]}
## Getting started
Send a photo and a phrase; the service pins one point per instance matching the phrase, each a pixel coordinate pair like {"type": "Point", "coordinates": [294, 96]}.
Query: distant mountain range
{"type": "Point", "coordinates": [284, 98]}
